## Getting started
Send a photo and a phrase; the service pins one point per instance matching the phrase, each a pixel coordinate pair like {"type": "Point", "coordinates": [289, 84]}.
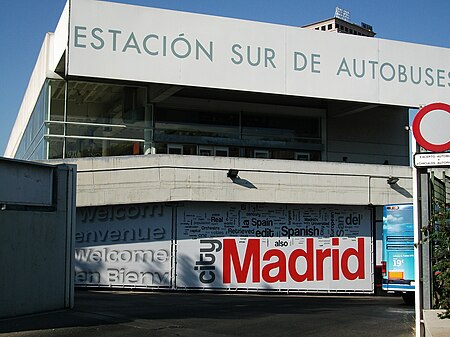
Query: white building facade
{"type": "Point", "coordinates": [157, 108]}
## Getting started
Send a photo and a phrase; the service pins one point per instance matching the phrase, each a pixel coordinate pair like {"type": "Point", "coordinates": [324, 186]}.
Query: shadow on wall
{"type": "Point", "coordinates": [197, 274]}
{"type": "Point", "coordinates": [401, 190]}
{"type": "Point", "coordinates": [243, 182]}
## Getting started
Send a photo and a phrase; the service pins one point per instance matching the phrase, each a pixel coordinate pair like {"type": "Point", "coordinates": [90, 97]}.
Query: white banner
{"type": "Point", "coordinates": [272, 247]}
{"type": "Point", "coordinates": [123, 245]}
{"type": "Point", "coordinates": [114, 41]}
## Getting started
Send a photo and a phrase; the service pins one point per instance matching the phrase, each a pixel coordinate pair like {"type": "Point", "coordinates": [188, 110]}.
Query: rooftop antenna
{"type": "Point", "coordinates": [342, 14]}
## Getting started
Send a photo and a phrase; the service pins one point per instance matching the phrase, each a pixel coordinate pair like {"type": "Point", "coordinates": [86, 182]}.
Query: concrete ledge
{"type": "Point", "coordinates": [434, 326]}
{"type": "Point", "coordinates": [170, 178]}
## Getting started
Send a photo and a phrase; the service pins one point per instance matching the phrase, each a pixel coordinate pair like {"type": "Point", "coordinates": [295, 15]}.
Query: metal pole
{"type": "Point", "coordinates": [149, 146]}
{"type": "Point", "coordinates": [426, 271]}
{"type": "Point", "coordinates": [416, 208]}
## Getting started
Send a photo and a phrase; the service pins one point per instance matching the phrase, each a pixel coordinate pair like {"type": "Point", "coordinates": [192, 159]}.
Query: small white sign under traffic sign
{"type": "Point", "coordinates": [432, 159]}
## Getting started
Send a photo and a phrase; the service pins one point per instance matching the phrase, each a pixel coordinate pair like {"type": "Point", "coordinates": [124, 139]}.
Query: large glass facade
{"type": "Point", "coordinates": [55, 120]}
{"type": "Point", "coordinates": [32, 145]}
{"type": "Point", "coordinates": [96, 119]}
{"type": "Point", "coordinates": [75, 119]}
{"type": "Point", "coordinates": [237, 133]}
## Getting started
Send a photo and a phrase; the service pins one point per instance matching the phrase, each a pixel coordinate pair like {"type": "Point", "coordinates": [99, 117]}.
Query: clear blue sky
{"type": "Point", "coordinates": [23, 24]}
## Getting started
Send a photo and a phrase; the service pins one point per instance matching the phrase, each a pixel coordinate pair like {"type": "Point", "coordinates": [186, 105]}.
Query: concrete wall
{"type": "Point", "coordinates": [163, 178]}
{"type": "Point", "coordinates": [172, 178]}
{"type": "Point", "coordinates": [36, 237]}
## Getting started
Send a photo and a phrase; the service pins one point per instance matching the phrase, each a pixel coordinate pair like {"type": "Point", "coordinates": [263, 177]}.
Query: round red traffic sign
{"type": "Point", "coordinates": [431, 127]}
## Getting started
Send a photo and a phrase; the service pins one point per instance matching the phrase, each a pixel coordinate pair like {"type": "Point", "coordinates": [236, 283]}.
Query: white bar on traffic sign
{"type": "Point", "coordinates": [432, 159]}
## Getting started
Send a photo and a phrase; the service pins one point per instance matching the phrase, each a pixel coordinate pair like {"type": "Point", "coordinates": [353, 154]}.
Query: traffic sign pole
{"type": "Point", "coordinates": [431, 131]}
{"type": "Point", "coordinates": [416, 208]}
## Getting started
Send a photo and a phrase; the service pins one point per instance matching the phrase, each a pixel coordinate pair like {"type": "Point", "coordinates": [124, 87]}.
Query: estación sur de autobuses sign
{"type": "Point", "coordinates": [110, 40]}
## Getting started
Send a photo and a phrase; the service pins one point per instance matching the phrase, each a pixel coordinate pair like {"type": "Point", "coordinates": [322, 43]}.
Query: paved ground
{"type": "Point", "coordinates": [207, 314]}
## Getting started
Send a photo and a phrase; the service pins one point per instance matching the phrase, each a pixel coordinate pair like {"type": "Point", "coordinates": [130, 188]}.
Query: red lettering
{"type": "Point", "coordinates": [280, 264]}
{"type": "Point", "coordinates": [335, 258]}
{"type": "Point", "coordinates": [349, 262]}
{"type": "Point", "coordinates": [359, 273]}
{"type": "Point", "coordinates": [320, 256]}
{"type": "Point", "coordinates": [309, 259]}
{"type": "Point", "coordinates": [252, 254]}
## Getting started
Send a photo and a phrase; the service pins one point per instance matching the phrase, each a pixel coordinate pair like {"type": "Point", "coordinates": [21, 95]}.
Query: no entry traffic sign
{"type": "Point", "coordinates": [431, 127]}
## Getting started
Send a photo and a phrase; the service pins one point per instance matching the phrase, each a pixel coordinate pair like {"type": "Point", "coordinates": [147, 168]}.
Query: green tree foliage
{"type": "Point", "coordinates": [439, 235]}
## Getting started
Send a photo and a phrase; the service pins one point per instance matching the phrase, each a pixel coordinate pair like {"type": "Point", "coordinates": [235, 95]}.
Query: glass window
{"type": "Point", "coordinates": [57, 96]}
{"type": "Point", "coordinates": [205, 150]}
{"type": "Point", "coordinates": [221, 151]}
{"type": "Point", "coordinates": [32, 137]}
{"type": "Point", "coordinates": [261, 154]}
{"type": "Point", "coordinates": [279, 127]}
{"type": "Point", "coordinates": [174, 149]}
{"type": "Point", "coordinates": [77, 147]}
{"type": "Point", "coordinates": [101, 120]}
{"type": "Point", "coordinates": [105, 110]}
{"type": "Point", "coordinates": [161, 148]}
{"type": "Point", "coordinates": [282, 154]}
{"type": "Point", "coordinates": [235, 152]}
{"type": "Point", "coordinates": [190, 149]}
{"type": "Point", "coordinates": [302, 156]}
{"type": "Point", "coordinates": [104, 119]}
{"type": "Point", "coordinates": [55, 148]}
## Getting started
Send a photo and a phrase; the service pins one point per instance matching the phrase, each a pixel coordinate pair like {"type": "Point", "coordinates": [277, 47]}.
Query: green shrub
{"type": "Point", "coordinates": [439, 235]}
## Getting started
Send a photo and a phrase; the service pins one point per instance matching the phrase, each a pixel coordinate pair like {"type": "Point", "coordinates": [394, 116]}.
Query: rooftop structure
{"type": "Point", "coordinates": [341, 23]}
{"type": "Point", "coordinates": [337, 25]}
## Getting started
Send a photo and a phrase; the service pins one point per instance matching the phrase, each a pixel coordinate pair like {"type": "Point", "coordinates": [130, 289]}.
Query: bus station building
{"type": "Point", "coordinates": [216, 153]}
